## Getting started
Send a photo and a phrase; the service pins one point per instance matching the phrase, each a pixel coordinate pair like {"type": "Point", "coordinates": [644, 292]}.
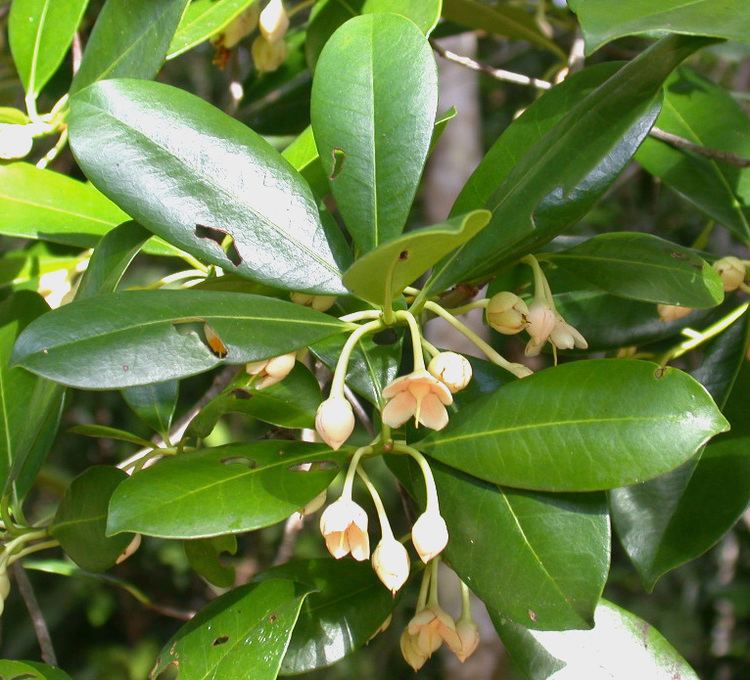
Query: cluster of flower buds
{"type": "Point", "coordinates": [270, 371]}
{"type": "Point", "coordinates": [269, 49]}
{"type": "Point", "coordinates": [732, 272]}
{"type": "Point", "coordinates": [320, 303]}
{"type": "Point", "coordinates": [669, 313]}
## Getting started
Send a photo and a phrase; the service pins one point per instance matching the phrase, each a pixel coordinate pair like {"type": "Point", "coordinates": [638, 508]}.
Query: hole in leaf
{"type": "Point", "coordinates": [338, 162]}
{"type": "Point", "coordinates": [239, 393]}
{"type": "Point", "coordinates": [403, 255]}
{"type": "Point", "coordinates": [240, 460]}
{"type": "Point", "coordinates": [220, 640]}
{"type": "Point", "coordinates": [233, 254]}
{"type": "Point", "coordinates": [315, 466]}
{"type": "Point", "coordinates": [678, 256]}
{"type": "Point", "coordinates": [272, 618]}
{"type": "Point", "coordinates": [660, 372]}
{"type": "Point", "coordinates": [221, 238]}
{"type": "Point", "coordinates": [532, 615]}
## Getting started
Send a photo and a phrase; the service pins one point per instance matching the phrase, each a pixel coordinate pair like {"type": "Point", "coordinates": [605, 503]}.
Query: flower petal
{"type": "Point", "coordinates": [399, 409]}
{"type": "Point", "coordinates": [433, 414]}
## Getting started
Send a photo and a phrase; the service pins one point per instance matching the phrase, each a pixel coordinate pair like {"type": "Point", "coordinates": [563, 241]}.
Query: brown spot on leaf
{"type": "Point", "coordinates": [239, 393]}
{"type": "Point", "coordinates": [403, 255]}
{"type": "Point", "coordinates": [240, 460]}
{"type": "Point", "coordinates": [272, 618]}
{"type": "Point", "coordinates": [532, 615]}
{"type": "Point", "coordinates": [339, 156]}
{"type": "Point", "coordinates": [220, 640]}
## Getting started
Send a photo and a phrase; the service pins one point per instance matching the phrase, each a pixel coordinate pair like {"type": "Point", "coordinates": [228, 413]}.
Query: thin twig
{"type": "Point", "coordinates": [76, 52]}
{"type": "Point", "coordinates": [294, 525]}
{"type": "Point", "coordinates": [716, 154]}
{"type": "Point", "coordinates": [35, 613]}
{"type": "Point", "coordinates": [496, 73]}
{"type": "Point", "coordinates": [359, 410]}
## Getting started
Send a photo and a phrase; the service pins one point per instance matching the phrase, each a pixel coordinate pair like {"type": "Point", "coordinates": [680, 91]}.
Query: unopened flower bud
{"type": "Point", "coordinates": [506, 313]}
{"type": "Point", "coordinates": [274, 21]}
{"type": "Point", "coordinates": [4, 584]}
{"type": "Point", "coordinates": [344, 527]}
{"type": "Point", "coordinates": [453, 369]}
{"type": "Point", "coordinates": [391, 563]}
{"type": "Point", "coordinates": [429, 535]}
{"type": "Point", "coordinates": [15, 141]}
{"type": "Point", "coordinates": [732, 272]}
{"type": "Point", "coordinates": [129, 549]}
{"type": "Point", "coordinates": [430, 627]}
{"type": "Point", "coordinates": [334, 421]}
{"type": "Point", "coordinates": [409, 650]}
{"type": "Point", "coordinates": [320, 303]}
{"type": "Point", "coordinates": [268, 56]}
{"type": "Point", "coordinates": [241, 26]}
{"type": "Point", "coordinates": [541, 322]}
{"type": "Point", "coordinates": [565, 336]}
{"type": "Point", "coordinates": [672, 312]}
{"type": "Point", "coordinates": [272, 370]}
{"type": "Point", "coordinates": [468, 637]}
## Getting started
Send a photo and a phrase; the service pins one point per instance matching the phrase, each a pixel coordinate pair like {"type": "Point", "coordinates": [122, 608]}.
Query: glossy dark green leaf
{"type": "Point", "coordinates": [30, 670]}
{"type": "Point", "coordinates": [551, 165]}
{"type": "Point", "coordinates": [40, 33]}
{"type": "Point", "coordinates": [538, 559]}
{"type": "Point", "coordinates": [106, 432]}
{"type": "Point", "coordinates": [209, 178]}
{"type": "Point", "coordinates": [136, 338]}
{"type": "Point", "coordinates": [373, 107]}
{"type": "Point", "coordinates": [30, 407]}
{"type": "Point", "coordinates": [204, 555]}
{"type": "Point", "coordinates": [202, 20]}
{"type": "Point", "coordinates": [346, 608]}
{"type": "Point", "coordinates": [643, 267]}
{"type": "Point", "coordinates": [247, 629]}
{"type": "Point", "coordinates": [381, 274]}
{"type": "Point", "coordinates": [291, 403]}
{"type": "Point", "coordinates": [111, 257]}
{"type": "Point", "coordinates": [664, 523]}
{"type": "Point", "coordinates": [566, 429]}
{"type": "Point", "coordinates": [303, 155]}
{"type": "Point", "coordinates": [81, 519]}
{"type": "Point", "coordinates": [424, 13]}
{"type": "Point", "coordinates": [621, 646]}
{"type": "Point", "coordinates": [371, 367]}
{"type": "Point", "coordinates": [230, 489]}
{"type": "Point", "coordinates": [605, 20]}
{"type": "Point", "coordinates": [154, 404]}
{"type": "Point", "coordinates": [325, 18]}
{"type": "Point", "coordinates": [129, 40]}
{"type": "Point", "coordinates": [503, 19]}
{"type": "Point", "coordinates": [705, 114]}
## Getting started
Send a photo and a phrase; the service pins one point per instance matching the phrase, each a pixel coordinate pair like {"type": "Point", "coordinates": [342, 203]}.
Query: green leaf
{"type": "Point", "coordinates": [129, 40]}
{"type": "Point", "coordinates": [643, 267]}
{"type": "Point", "coordinates": [237, 184]}
{"type": "Point", "coordinates": [40, 33]}
{"type": "Point", "coordinates": [290, 403]}
{"type": "Point", "coordinates": [505, 20]}
{"type": "Point", "coordinates": [140, 337]}
{"type": "Point", "coordinates": [247, 629]}
{"type": "Point", "coordinates": [202, 20]}
{"type": "Point", "coordinates": [346, 608]}
{"type": "Point", "coordinates": [230, 489]}
{"type": "Point", "coordinates": [30, 407]}
{"type": "Point", "coordinates": [373, 107]}
{"type": "Point", "coordinates": [81, 519]}
{"type": "Point", "coordinates": [325, 19]}
{"type": "Point", "coordinates": [566, 429]}
{"type": "Point", "coordinates": [424, 13]}
{"type": "Point", "coordinates": [154, 404]}
{"type": "Point", "coordinates": [551, 165]}
{"type": "Point", "coordinates": [111, 257]}
{"type": "Point", "coordinates": [605, 20]}
{"type": "Point", "coordinates": [303, 155]}
{"type": "Point", "coordinates": [8, 114]}
{"type": "Point", "coordinates": [664, 523]}
{"type": "Point", "coordinates": [705, 114]}
{"type": "Point", "coordinates": [106, 432]}
{"type": "Point", "coordinates": [30, 670]}
{"type": "Point", "coordinates": [538, 559]}
{"type": "Point", "coordinates": [204, 556]}
{"type": "Point", "coordinates": [620, 647]}
{"type": "Point", "coordinates": [381, 275]}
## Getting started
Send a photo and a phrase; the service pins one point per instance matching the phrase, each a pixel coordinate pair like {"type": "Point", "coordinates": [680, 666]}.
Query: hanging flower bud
{"type": "Point", "coordinates": [468, 638]}
{"type": "Point", "coordinates": [241, 26]}
{"type": "Point", "coordinates": [15, 141]}
{"type": "Point", "coordinates": [412, 655]}
{"type": "Point", "coordinates": [55, 286]}
{"type": "Point", "coordinates": [564, 336]}
{"type": "Point", "coordinates": [429, 534]}
{"type": "Point", "coordinates": [272, 370]}
{"type": "Point", "coordinates": [732, 272]}
{"type": "Point", "coordinates": [452, 369]}
{"type": "Point", "coordinates": [334, 421]}
{"type": "Point", "coordinates": [506, 313]}
{"type": "Point", "coordinates": [344, 527]}
{"type": "Point", "coordinates": [320, 303]}
{"type": "Point", "coordinates": [268, 56]}
{"type": "Point", "coordinates": [672, 312]}
{"type": "Point", "coordinates": [541, 322]}
{"type": "Point", "coordinates": [274, 21]}
{"type": "Point", "coordinates": [129, 549]}
{"type": "Point", "coordinates": [430, 627]}
{"type": "Point", "coordinates": [418, 394]}
{"type": "Point", "coordinates": [391, 563]}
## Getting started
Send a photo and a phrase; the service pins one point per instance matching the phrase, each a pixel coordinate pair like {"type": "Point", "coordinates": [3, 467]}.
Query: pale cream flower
{"type": "Point", "coordinates": [268, 56]}
{"type": "Point", "coordinates": [412, 655]}
{"type": "Point", "coordinates": [506, 313]}
{"type": "Point", "coordinates": [334, 421]}
{"type": "Point", "coordinates": [54, 286]}
{"type": "Point", "coordinates": [344, 527]}
{"type": "Point", "coordinates": [452, 369]}
{"type": "Point", "coordinates": [468, 637]}
{"type": "Point", "coordinates": [673, 312]}
{"type": "Point", "coordinates": [565, 336]}
{"type": "Point", "coordinates": [272, 370]}
{"type": "Point", "coordinates": [16, 140]}
{"type": "Point", "coordinates": [320, 303]}
{"type": "Point", "coordinates": [274, 21]}
{"type": "Point", "coordinates": [540, 324]}
{"type": "Point", "coordinates": [418, 394]}
{"type": "Point", "coordinates": [430, 627]}
{"type": "Point", "coordinates": [390, 560]}
{"type": "Point", "coordinates": [241, 26]}
{"type": "Point", "coordinates": [129, 549]}
{"type": "Point", "coordinates": [429, 534]}
{"type": "Point", "coordinates": [732, 272]}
